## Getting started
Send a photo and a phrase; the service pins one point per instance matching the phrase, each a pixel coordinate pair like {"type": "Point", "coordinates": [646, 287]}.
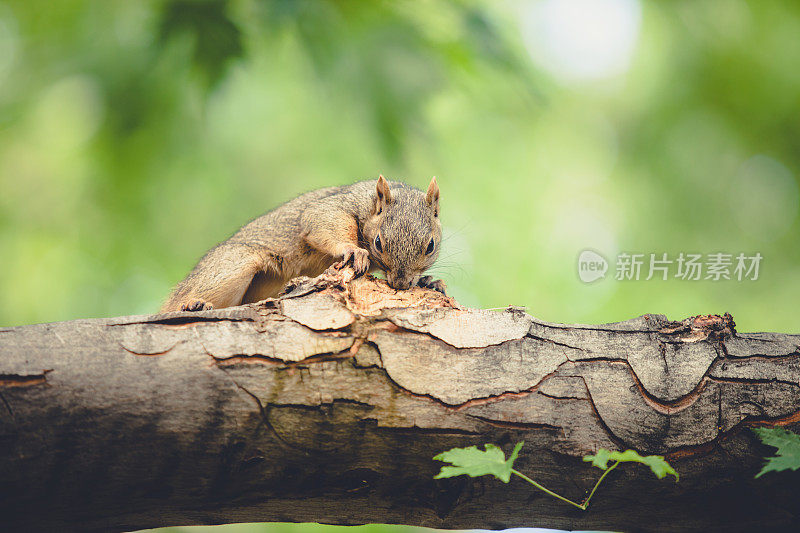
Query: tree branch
{"type": "Point", "coordinates": [327, 405]}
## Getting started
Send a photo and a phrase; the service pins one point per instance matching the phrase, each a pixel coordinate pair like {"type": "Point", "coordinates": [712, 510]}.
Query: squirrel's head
{"type": "Point", "coordinates": [403, 233]}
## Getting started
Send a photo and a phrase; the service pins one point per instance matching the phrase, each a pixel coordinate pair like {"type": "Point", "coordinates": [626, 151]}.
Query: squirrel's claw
{"type": "Point", "coordinates": [359, 258]}
{"type": "Point", "coordinates": [427, 282]}
{"type": "Point", "coordinates": [197, 305]}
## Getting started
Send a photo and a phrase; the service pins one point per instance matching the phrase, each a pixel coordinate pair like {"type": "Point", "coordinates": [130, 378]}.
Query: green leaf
{"type": "Point", "coordinates": [474, 462]}
{"type": "Point", "coordinates": [788, 455]}
{"type": "Point", "coordinates": [657, 464]}
{"type": "Point", "coordinates": [216, 38]}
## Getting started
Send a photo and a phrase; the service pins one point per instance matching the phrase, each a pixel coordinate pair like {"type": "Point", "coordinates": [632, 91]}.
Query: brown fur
{"type": "Point", "coordinates": [309, 233]}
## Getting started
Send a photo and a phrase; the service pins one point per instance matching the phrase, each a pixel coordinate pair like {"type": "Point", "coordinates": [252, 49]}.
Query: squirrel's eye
{"type": "Point", "coordinates": [431, 246]}
{"type": "Point", "coordinates": [378, 245]}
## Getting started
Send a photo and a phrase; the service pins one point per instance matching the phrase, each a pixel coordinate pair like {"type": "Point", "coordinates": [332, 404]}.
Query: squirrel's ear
{"type": "Point", "coordinates": [384, 196]}
{"type": "Point", "coordinates": [433, 196]}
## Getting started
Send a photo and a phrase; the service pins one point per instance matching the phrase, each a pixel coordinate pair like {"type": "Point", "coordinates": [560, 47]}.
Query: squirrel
{"type": "Point", "coordinates": [374, 224]}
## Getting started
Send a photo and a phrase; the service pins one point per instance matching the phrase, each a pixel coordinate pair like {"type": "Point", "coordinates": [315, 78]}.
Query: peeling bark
{"type": "Point", "coordinates": [327, 405]}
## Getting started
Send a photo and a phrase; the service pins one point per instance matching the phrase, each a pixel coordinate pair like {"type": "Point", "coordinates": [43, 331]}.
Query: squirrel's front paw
{"type": "Point", "coordinates": [359, 258]}
{"type": "Point", "coordinates": [427, 282]}
{"type": "Point", "coordinates": [197, 305]}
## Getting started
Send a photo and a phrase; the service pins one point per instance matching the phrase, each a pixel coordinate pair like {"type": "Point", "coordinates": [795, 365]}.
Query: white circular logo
{"type": "Point", "coordinates": [591, 266]}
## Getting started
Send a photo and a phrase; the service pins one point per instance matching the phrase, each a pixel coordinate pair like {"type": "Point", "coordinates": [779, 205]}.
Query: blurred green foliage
{"type": "Point", "coordinates": [135, 135]}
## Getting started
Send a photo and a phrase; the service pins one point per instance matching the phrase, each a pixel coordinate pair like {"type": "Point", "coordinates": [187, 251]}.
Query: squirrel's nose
{"type": "Point", "coordinates": [398, 281]}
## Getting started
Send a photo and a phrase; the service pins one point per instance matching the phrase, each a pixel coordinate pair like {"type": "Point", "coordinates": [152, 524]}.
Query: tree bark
{"type": "Point", "coordinates": [328, 404]}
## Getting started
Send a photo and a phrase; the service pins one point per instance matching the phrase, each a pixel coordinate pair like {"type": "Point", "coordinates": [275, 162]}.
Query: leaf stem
{"type": "Point", "coordinates": [581, 506]}
{"type": "Point", "coordinates": [589, 497]}
{"type": "Point", "coordinates": [548, 491]}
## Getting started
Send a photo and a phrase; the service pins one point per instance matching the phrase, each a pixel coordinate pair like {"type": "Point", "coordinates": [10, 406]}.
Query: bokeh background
{"type": "Point", "coordinates": [136, 135]}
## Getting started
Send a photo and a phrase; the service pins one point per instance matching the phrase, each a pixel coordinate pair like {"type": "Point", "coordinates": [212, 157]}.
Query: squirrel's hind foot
{"type": "Point", "coordinates": [197, 305]}
{"type": "Point", "coordinates": [427, 282]}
